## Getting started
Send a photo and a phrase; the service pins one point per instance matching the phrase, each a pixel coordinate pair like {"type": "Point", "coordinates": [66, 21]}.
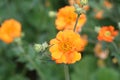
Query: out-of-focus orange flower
{"type": "Point", "coordinates": [66, 46]}
{"type": "Point", "coordinates": [99, 14]}
{"type": "Point", "coordinates": [9, 30]}
{"type": "Point", "coordinates": [99, 52]}
{"type": "Point", "coordinates": [98, 48]}
{"type": "Point", "coordinates": [86, 7]}
{"type": "Point", "coordinates": [107, 33]}
{"type": "Point", "coordinates": [84, 40]}
{"type": "Point", "coordinates": [66, 18]}
{"type": "Point", "coordinates": [107, 4]}
{"type": "Point", "coordinates": [77, 1]}
{"type": "Point", "coordinates": [71, 2]}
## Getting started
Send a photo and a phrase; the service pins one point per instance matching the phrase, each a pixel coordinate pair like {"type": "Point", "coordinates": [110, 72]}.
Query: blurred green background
{"type": "Point", "coordinates": [38, 26]}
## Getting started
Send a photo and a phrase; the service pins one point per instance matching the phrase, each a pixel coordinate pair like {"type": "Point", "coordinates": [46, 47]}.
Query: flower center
{"type": "Point", "coordinates": [107, 33]}
{"type": "Point", "coordinates": [65, 47]}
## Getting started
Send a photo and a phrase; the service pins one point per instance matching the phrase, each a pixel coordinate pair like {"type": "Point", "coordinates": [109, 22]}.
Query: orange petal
{"type": "Point", "coordinates": [55, 53]}
{"type": "Point", "coordinates": [111, 28]}
{"type": "Point", "coordinates": [53, 41]}
{"type": "Point", "coordinates": [60, 36]}
{"type": "Point", "coordinates": [115, 33]}
{"type": "Point", "coordinates": [7, 39]}
{"type": "Point", "coordinates": [61, 60]}
{"type": "Point", "coordinates": [77, 57]}
{"type": "Point", "coordinates": [73, 57]}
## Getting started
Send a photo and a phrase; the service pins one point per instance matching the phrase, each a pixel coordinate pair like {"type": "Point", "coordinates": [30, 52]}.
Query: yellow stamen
{"type": "Point", "coordinates": [107, 33]}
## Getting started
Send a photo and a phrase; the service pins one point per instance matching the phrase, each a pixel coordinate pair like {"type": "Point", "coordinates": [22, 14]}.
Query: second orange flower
{"type": "Point", "coordinates": [66, 18]}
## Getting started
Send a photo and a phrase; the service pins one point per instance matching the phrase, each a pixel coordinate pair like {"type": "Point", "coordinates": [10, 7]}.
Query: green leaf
{"type": "Point", "coordinates": [105, 74]}
{"type": "Point", "coordinates": [84, 68]}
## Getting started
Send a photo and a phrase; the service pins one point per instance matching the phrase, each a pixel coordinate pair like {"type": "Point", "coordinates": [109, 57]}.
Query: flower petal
{"type": "Point", "coordinates": [76, 57]}
{"type": "Point", "coordinates": [55, 53]}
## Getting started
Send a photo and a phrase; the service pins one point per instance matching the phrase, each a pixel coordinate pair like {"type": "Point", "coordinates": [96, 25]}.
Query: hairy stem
{"type": "Point", "coordinates": [66, 71]}
{"type": "Point", "coordinates": [115, 46]}
{"type": "Point", "coordinates": [76, 22]}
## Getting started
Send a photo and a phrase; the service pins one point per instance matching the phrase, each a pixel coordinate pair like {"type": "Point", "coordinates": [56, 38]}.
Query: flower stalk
{"type": "Point", "coordinates": [76, 22]}
{"type": "Point", "coordinates": [117, 54]}
{"type": "Point", "coordinates": [66, 71]}
{"type": "Point", "coordinates": [115, 46]}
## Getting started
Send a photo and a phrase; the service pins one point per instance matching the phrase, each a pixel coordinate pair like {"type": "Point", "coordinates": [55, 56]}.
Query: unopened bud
{"type": "Point", "coordinates": [44, 46]}
{"type": "Point", "coordinates": [18, 41]}
{"type": "Point", "coordinates": [52, 14]}
{"type": "Point", "coordinates": [40, 47]}
{"type": "Point", "coordinates": [97, 29]}
{"type": "Point", "coordinates": [78, 9]}
{"type": "Point", "coordinates": [83, 2]}
{"type": "Point", "coordinates": [76, 6]}
{"type": "Point", "coordinates": [37, 47]}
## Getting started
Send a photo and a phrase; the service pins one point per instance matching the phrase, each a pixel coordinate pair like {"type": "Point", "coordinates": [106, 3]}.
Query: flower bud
{"type": "Point", "coordinates": [84, 2]}
{"type": "Point", "coordinates": [37, 47]}
{"type": "Point", "coordinates": [78, 9]}
{"type": "Point", "coordinates": [40, 47]}
{"type": "Point", "coordinates": [52, 14]}
{"type": "Point", "coordinates": [44, 46]}
{"type": "Point", "coordinates": [97, 29]}
{"type": "Point", "coordinates": [18, 41]}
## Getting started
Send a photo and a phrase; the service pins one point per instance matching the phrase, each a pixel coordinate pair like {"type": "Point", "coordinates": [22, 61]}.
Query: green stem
{"type": "Point", "coordinates": [66, 71]}
{"type": "Point", "coordinates": [76, 22]}
{"type": "Point", "coordinates": [115, 46]}
{"type": "Point", "coordinates": [117, 51]}
{"type": "Point", "coordinates": [66, 68]}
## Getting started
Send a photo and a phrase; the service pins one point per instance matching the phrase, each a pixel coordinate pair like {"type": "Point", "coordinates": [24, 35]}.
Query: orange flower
{"type": "Point", "coordinates": [99, 14]}
{"type": "Point", "coordinates": [71, 2]}
{"type": "Point", "coordinates": [99, 52]}
{"type": "Point", "coordinates": [86, 7]}
{"type": "Point", "coordinates": [84, 40]}
{"type": "Point", "coordinates": [66, 18]}
{"type": "Point", "coordinates": [107, 4]}
{"type": "Point", "coordinates": [77, 1]}
{"type": "Point", "coordinates": [9, 30]}
{"type": "Point", "coordinates": [66, 46]}
{"type": "Point", "coordinates": [107, 33]}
